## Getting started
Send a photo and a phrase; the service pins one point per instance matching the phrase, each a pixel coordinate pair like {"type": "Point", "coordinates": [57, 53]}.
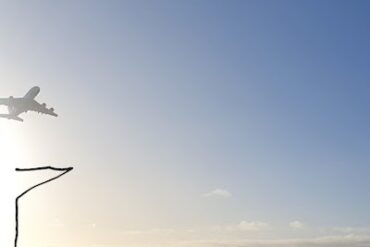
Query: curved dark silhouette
{"type": "Point", "coordinates": [63, 170]}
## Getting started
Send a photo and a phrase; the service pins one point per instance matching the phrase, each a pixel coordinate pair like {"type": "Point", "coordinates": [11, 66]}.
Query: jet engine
{"type": "Point", "coordinates": [52, 109]}
{"type": "Point", "coordinates": [11, 107]}
{"type": "Point", "coordinates": [44, 104]}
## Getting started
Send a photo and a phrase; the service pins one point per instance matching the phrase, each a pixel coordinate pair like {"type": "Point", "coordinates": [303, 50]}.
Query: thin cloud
{"type": "Point", "coordinates": [252, 226]}
{"type": "Point", "coordinates": [352, 230]}
{"type": "Point", "coordinates": [296, 225]}
{"type": "Point", "coordinates": [243, 226]}
{"type": "Point", "coordinates": [218, 193]}
{"type": "Point", "coordinates": [328, 241]}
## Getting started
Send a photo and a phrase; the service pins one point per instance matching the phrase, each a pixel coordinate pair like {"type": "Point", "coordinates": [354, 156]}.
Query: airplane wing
{"type": "Point", "coordinates": [4, 101]}
{"type": "Point", "coordinates": [41, 108]}
{"type": "Point", "coordinates": [12, 117]}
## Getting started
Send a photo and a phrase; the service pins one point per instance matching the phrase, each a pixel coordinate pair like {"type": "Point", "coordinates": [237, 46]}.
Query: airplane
{"type": "Point", "coordinates": [17, 106]}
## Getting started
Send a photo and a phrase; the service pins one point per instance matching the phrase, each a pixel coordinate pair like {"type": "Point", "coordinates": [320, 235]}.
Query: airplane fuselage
{"type": "Point", "coordinates": [18, 106]}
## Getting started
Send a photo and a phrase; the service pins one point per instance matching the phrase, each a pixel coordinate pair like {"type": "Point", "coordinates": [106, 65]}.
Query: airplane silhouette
{"type": "Point", "coordinates": [17, 106]}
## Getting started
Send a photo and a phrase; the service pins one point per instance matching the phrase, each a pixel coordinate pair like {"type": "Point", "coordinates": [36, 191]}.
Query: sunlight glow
{"type": "Point", "coordinates": [10, 156]}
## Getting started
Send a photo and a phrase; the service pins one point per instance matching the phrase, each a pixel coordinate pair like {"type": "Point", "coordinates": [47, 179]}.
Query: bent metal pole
{"type": "Point", "coordinates": [63, 170]}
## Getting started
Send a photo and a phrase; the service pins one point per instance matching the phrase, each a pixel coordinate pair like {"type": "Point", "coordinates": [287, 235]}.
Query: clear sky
{"type": "Point", "coordinates": [192, 123]}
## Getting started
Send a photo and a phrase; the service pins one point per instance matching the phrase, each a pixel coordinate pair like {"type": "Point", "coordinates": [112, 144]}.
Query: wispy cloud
{"type": "Point", "coordinates": [296, 224]}
{"type": "Point", "coordinates": [252, 226]}
{"type": "Point", "coordinates": [243, 226]}
{"type": "Point", "coordinates": [218, 193]}
{"type": "Point", "coordinates": [154, 231]}
{"type": "Point", "coordinates": [243, 234]}
{"type": "Point", "coordinates": [328, 241]}
{"type": "Point", "coordinates": [352, 230]}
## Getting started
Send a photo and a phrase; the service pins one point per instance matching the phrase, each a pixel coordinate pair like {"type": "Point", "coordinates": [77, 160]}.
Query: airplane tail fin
{"type": "Point", "coordinates": [10, 117]}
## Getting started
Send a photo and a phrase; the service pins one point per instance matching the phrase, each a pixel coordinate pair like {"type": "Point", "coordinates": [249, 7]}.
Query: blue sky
{"type": "Point", "coordinates": [163, 102]}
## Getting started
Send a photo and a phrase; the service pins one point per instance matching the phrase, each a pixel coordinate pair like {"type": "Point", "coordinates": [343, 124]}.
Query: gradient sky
{"type": "Point", "coordinates": [193, 123]}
